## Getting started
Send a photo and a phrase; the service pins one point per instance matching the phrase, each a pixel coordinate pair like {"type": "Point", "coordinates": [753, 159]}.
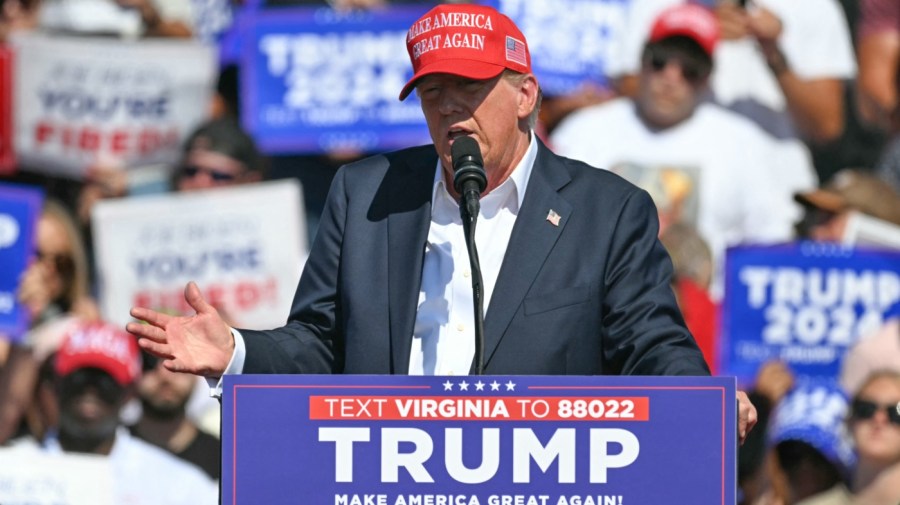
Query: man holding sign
{"type": "Point", "coordinates": [571, 252]}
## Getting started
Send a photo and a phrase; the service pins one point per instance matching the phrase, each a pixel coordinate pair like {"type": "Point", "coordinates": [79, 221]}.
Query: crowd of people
{"type": "Point", "coordinates": [757, 122]}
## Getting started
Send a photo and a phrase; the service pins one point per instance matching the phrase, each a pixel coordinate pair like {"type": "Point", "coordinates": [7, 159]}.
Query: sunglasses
{"type": "Point", "coordinates": [692, 70]}
{"type": "Point", "coordinates": [864, 409]}
{"type": "Point", "coordinates": [63, 263]}
{"type": "Point", "coordinates": [77, 382]}
{"type": "Point", "coordinates": [216, 175]}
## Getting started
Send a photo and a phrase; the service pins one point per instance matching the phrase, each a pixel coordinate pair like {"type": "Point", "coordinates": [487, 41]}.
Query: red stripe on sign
{"type": "Point", "coordinates": [479, 408]}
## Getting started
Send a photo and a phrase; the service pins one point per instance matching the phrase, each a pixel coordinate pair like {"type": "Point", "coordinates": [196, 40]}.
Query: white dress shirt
{"type": "Point", "coordinates": [444, 334]}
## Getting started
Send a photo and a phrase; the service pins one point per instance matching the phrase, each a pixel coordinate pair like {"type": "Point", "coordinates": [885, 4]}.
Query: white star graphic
{"type": "Point", "coordinates": [463, 386]}
{"type": "Point", "coordinates": [448, 386]}
{"type": "Point", "coordinates": [510, 386]}
{"type": "Point", "coordinates": [495, 386]}
{"type": "Point", "coordinates": [479, 386]}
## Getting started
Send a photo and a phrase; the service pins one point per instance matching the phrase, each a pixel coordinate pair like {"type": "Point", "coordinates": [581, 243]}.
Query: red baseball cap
{"type": "Point", "coordinates": [689, 20]}
{"type": "Point", "coordinates": [102, 346]}
{"type": "Point", "coordinates": [472, 41]}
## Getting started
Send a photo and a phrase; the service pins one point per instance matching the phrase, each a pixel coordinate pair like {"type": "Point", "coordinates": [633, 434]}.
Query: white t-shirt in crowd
{"type": "Point", "coordinates": [716, 170]}
{"type": "Point", "coordinates": [143, 474]}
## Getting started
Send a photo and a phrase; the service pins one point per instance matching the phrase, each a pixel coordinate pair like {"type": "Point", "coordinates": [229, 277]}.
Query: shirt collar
{"type": "Point", "coordinates": [518, 179]}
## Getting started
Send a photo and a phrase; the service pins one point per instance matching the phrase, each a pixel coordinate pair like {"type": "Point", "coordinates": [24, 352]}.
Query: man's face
{"type": "Point", "coordinates": [164, 393]}
{"type": "Point", "coordinates": [204, 169]}
{"type": "Point", "coordinates": [671, 82]}
{"type": "Point", "coordinates": [493, 112]}
{"type": "Point", "coordinates": [89, 402]}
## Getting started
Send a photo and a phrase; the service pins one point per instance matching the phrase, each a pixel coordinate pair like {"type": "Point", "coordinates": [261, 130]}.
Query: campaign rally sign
{"type": "Point", "coordinates": [83, 100]}
{"type": "Point", "coordinates": [319, 80]}
{"type": "Point", "coordinates": [487, 440]}
{"type": "Point", "coordinates": [31, 477]}
{"type": "Point", "coordinates": [243, 246]}
{"type": "Point", "coordinates": [803, 304]}
{"type": "Point", "coordinates": [7, 154]}
{"type": "Point", "coordinates": [584, 37]}
{"type": "Point", "coordinates": [20, 208]}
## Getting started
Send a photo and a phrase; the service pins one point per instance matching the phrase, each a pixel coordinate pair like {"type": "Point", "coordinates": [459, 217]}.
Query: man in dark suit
{"type": "Point", "coordinates": [575, 280]}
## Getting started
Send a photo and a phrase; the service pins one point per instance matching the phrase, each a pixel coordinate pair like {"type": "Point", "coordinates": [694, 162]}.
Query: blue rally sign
{"type": "Point", "coordinates": [20, 207]}
{"type": "Point", "coordinates": [319, 80]}
{"type": "Point", "coordinates": [803, 304]}
{"type": "Point", "coordinates": [489, 440]}
{"type": "Point", "coordinates": [584, 38]}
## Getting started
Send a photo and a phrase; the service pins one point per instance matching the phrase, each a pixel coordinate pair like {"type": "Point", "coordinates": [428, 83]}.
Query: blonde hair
{"type": "Point", "coordinates": [77, 284]}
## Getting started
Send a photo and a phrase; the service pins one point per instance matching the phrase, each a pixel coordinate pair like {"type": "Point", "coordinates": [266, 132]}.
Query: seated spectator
{"type": "Point", "coordinates": [54, 289]}
{"type": "Point", "coordinates": [827, 211]}
{"type": "Point", "coordinates": [164, 423]}
{"type": "Point", "coordinates": [875, 426]}
{"type": "Point", "coordinates": [813, 454]}
{"type": "Point", "coordinates": [702, 164]}
{"type": "Point", "coordinates": [95, 372]}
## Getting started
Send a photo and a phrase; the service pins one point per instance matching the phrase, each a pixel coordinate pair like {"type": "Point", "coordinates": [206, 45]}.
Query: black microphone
{"type": "Point", "coordinates": [469, 177]}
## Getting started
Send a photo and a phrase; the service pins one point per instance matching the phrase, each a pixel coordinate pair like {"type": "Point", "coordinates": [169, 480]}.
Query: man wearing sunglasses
{"type": "Point", "coordinates": [704, 166]}
{"type": "Point", "coordinates": [94, 375]}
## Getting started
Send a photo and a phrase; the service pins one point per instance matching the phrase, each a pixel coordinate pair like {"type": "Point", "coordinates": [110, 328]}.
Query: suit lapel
{"type": "Point", "coordinates": [407, 227]}
{"type": "Point", "coordinates": [532, 240]}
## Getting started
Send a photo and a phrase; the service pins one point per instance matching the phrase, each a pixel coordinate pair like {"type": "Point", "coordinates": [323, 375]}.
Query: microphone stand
{"type": "Point", "coordinates": [468, 211]}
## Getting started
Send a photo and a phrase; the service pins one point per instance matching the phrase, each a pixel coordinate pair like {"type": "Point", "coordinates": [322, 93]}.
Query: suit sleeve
{"type": "Point", "coordinates": [311, 341]}
{"type": "Point", "coordinates": [644, 331]}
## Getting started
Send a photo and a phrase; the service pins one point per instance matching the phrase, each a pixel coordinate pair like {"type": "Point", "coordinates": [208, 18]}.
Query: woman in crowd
{"type": "Point", "coordinates": [875, 426]}
{"type": "Point", "coordinates": [54, 289]}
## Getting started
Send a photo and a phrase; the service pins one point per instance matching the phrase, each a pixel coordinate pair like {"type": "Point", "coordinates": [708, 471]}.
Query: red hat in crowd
{"type": "Point", "coordinates": [689, 20]}
{"type": "Point", "coordinates": [472, 41]}
{"type": "Point", "coordinates": [102, 346]}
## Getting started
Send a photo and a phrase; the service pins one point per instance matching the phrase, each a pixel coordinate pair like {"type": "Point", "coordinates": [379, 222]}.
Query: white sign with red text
{"type": "Point", "coordinates": [81, 100]}
{"type": "Point", "coordinates": [243, 246]}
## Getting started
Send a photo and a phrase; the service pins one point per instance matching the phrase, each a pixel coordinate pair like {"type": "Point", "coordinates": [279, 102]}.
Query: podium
{"type": "Point", "coordinates": [488, 440]}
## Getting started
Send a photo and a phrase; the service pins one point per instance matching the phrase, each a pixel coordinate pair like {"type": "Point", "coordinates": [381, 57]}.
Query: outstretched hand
{"type": "Point", "coordinates": [201, 344]}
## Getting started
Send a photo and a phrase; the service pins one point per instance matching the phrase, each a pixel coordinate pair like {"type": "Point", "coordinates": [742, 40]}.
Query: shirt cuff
{"type": "Point", "coordinates": [235, 366]}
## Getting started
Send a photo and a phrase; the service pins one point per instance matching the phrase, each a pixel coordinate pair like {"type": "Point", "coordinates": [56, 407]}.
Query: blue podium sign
{"type": "Point", "coordinates": [489, 440]}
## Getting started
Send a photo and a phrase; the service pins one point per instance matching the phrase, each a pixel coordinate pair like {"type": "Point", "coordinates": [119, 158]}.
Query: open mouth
{"type": "Point", "coordinates": [455, 133]}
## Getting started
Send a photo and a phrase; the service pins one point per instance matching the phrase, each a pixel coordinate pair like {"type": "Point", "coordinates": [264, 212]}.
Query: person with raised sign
{"type": "Point", "coordinates": [575, 280]}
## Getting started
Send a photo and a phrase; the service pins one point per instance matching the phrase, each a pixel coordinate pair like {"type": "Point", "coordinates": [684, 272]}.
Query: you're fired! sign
{"type": "Point", "coordinates": [488, 440]}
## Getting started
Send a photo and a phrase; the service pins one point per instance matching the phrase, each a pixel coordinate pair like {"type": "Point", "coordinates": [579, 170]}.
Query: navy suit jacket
{"type": "Point", "coordinates": [588, 296]}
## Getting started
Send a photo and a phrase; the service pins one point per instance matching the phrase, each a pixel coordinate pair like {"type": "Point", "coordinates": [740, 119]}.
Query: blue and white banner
{"type": "Point", "coordinates": [803, 304]}
{"type": "Point", "coordinates": [320, 80]}
{"type": "Point", "coordinates": [487, 440]}
{"type": "Point", "coordinates": [571, 41]}
{"type": "Point", "coordinates": [20, 208]}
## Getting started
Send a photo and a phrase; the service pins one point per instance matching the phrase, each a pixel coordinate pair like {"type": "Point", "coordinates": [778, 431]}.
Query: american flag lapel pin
{"type": "Point", "coordinates": [553, 217]}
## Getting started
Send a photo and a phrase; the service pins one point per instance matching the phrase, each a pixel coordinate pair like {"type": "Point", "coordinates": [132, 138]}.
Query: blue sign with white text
{"type": "Point", "coordinates": [489, 440]}
{"type": "Point", "coordinates": [571, 41]}
{"type": "Point", "coordinates": [803, 304]}
{"type": "Point", "coordinates": [321, 80]}
{"type": "Point", "coordinates": [20, 207]}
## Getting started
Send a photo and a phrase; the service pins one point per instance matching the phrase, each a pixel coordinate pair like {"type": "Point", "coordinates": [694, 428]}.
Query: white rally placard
{"type": "Point", "coordinates": [80, 100]}
{"type": "Point", "coordinates": [28, 477]}
{"type": "Point", "coordinates": [243, 246]}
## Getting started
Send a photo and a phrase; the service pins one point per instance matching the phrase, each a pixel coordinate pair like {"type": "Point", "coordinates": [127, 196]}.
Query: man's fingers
{"type": "Point", "coordinates": [151, 316]}
{"type": "Point", "coordinates": [154, 348]}
{"type": "Point", "coordinates": [147, 331]}
{"type": "Point", "coordinates": [195, 299]}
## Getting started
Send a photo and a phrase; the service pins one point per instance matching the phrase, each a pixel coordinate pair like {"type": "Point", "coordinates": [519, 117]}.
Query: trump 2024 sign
{"type": "Point", "coordinates": [488, 440]}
